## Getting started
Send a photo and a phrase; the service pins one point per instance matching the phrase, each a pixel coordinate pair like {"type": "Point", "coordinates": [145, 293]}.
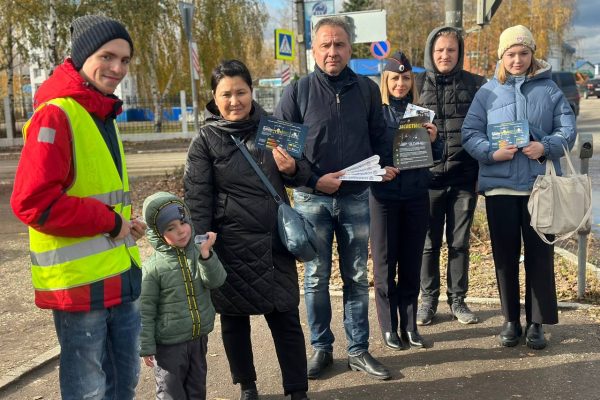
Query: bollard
{"type": "Point", "coordinates": [184, 115]}
{"type": "Point", "coordinates": [8, 119]}
{"type": "Point", "coordinates": [586, 150]}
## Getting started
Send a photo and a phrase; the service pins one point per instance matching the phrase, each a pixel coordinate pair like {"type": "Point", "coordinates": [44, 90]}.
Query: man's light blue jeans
{"type": "Point", "coordinates": [347, 217]}
{"type": "Point", "coordinates": [99, 357]}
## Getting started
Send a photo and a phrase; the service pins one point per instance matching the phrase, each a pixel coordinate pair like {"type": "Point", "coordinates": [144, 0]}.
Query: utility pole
{"type": "Point", "coordinates": [187, 14]}
{"type": "Point", "coordinates": [454, 12]}
{"type": "Point", "coordinates": [301, 36]}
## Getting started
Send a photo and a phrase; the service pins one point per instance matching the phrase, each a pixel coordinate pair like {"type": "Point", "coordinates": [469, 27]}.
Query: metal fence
{"type": "Point", "coordinates": [139, 115]}
{"type": "Point", "coordinates": [143, 116]}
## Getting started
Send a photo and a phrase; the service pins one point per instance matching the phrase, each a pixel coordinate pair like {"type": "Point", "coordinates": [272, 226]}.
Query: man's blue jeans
{"type": "Point", "coordinates": [99, 357]}
{"type": "Point", "coordinates": [348, 218]}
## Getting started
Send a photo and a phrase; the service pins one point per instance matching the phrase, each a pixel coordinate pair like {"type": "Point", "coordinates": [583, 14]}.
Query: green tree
{"type": "Point", "coordinates": [158, 39]}
{"type": "Point", "coordinates": [409, 23]}
{"type": "Point", "coordinates": [548, 20]}
{"type": "Point", "coordinates": [10, 47]}
{"type": "Point", "coordinates": [228, 29]}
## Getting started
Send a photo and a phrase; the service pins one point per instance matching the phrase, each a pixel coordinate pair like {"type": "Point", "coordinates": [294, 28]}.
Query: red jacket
{"type": "Point", "coordinates": [45, 172]}
{"type": "Point", "coordinates": [45, 169]}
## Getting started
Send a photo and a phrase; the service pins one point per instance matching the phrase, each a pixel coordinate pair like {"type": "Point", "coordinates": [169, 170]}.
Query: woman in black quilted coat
{"type": "Point", "coordinates": [226, 196]}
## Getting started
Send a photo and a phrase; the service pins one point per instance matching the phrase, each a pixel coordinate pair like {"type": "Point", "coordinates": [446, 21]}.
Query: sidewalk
{"type": "Point", "coordinates": [465, 362]}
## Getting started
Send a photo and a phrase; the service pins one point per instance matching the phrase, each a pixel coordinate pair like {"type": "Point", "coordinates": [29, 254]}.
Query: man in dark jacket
{"type": "Point", "coordinates": [343, 113]}
{"type": "Point", "coordinates": [448, 90]}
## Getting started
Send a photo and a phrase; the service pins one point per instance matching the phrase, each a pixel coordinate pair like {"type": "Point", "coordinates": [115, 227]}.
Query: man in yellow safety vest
{"type": "Point", "coordinates": [71, 189]}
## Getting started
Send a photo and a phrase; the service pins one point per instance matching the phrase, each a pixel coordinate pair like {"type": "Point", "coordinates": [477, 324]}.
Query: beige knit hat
{"type": "Point", "coordinates": [515, 35]}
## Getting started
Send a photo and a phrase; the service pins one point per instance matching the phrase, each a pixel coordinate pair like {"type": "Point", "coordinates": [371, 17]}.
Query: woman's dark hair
{"type": "Point", "coordinates": [230, 68]}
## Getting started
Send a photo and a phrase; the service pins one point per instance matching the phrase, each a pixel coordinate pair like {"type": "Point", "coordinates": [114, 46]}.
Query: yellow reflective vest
{"type": "Point", "coordinates": [63, 266]}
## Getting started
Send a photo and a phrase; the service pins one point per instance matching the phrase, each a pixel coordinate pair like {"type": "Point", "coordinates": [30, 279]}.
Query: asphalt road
{"type": "Point", "coordinates": [138, 164]}
{"type": "Point", "coordinates": [464, 363]}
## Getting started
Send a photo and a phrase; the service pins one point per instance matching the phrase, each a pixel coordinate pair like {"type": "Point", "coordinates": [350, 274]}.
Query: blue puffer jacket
{"type": "Point", "coordinates": [409, 183]}
{"type": "Point", "coordinates": [551, 122]}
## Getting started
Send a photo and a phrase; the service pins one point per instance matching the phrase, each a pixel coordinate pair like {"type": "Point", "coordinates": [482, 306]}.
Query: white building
{"type": "Point", "coordinates": [561, 56]}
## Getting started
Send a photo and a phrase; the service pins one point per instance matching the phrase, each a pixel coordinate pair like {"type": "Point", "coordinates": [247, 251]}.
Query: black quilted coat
{"type": "Point", "coordinates": [225, 195]}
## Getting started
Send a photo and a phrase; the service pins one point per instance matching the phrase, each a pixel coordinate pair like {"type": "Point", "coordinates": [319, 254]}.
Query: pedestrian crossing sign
{"type": "Point", "coordinates": [284, 44]}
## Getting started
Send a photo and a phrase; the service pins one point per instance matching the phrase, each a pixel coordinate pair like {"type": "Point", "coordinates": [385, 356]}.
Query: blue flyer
{"type": "Point", "coordinates": [506, 133]}
{"type": "Point", "coordinates": [273, 132]}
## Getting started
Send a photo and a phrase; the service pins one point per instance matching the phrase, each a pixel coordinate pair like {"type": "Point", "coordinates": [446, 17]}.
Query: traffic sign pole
{"type": "Point", "coordinates": [187, 14]}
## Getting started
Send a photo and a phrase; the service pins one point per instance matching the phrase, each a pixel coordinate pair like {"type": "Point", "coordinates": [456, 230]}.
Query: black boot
{"type": "Point", "coordinates": [510, 334]}
{"type": "Point", "coordinates": [299, 396]}
{"type": "Point", "coordinates": [249, 391]}
{"type": "Point", "coordinates": [391, 340]}
{"type": "Point", "coordinates": [413, 339]}
{"type": "Point", "coordinates": [318, 362]}
{"type": "Point", "coordinates": [366, 363]}
{"type": "Point", "coordinates": [535, 337]}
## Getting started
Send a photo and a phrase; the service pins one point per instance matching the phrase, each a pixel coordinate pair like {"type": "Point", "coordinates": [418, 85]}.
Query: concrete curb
{"type": "Point", "coordinates": [17, 373]}
{"type": "Point", "coordinates": [567, 255]}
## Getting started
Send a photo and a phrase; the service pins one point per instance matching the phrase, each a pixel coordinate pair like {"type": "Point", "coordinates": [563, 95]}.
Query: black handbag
{"type": "Point", "coordinates": [296, 232]}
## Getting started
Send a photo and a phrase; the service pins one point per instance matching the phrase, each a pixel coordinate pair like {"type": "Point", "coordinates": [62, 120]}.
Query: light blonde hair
{"type": "Point", "coordinates": [385, 93]}
{"type": "Point", "coordinates": [448, 32]}
{"type": "Point", "coordinates": [503, 74]}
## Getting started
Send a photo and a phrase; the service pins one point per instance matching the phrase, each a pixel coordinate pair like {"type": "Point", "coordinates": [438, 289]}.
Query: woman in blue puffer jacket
{"type": "Point", "coordinates": [521, 91]}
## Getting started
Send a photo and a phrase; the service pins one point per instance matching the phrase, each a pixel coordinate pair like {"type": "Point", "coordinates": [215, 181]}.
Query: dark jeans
{"type": "Point", "coordinates": [397, 237]}
{"type": "Point", "coordinates": [289, 346]}
{"type": "Point", "coordinates": [509, 220]}
{"type": "Point", "coordinates": [181, 370]}
{"type": "Point", "coordinates": [454, 206]}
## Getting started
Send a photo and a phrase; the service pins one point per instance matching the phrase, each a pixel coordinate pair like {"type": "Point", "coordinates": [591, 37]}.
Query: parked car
{"type": "Point", "coordinates": [566, 82]}
{"type": "Point", "coordinates": [593, 88]}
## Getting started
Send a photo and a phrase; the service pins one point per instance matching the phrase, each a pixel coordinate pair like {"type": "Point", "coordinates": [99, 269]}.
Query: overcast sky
{"type": "Point", "coordinates": [586, 26]}
{"type": "Point", "coordinates": [586, 30]}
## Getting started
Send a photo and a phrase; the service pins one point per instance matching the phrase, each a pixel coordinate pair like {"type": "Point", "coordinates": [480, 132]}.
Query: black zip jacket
{"type": "Point", "coordinates": [342, 129]}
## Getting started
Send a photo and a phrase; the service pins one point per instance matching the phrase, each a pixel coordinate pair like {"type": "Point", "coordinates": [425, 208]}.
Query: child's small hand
{"type": "Point", "coordinates": [149, 361]}
{"type": "Point", "coordinates": [208, 244]}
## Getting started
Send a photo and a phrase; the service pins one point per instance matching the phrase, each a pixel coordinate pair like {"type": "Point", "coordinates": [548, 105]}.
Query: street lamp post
{"type": "Point", "coordinates": [187, 14]}
{"type": "Point", "coordinates": [301, 36]}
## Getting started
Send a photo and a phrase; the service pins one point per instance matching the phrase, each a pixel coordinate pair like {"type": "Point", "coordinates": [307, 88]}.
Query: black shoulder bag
{"type": "Point", "coordinates": [296, 232]}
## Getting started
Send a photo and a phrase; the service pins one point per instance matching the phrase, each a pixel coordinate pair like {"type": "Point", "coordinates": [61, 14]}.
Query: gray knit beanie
{"type": "Point", "coordinates": [90, 32]}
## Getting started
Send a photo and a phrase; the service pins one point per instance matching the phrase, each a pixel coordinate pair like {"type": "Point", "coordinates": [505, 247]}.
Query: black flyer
{"type": "Point", "coordinates": [412, 146]}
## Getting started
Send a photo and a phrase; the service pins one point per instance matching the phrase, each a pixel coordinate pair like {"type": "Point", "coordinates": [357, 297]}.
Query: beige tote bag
{"type": "Point", "coordinates": [560, 205]}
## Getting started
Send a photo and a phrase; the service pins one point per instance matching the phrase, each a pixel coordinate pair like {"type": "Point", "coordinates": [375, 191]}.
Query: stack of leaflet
{"type": "Point", "coordinates": [365, 170]}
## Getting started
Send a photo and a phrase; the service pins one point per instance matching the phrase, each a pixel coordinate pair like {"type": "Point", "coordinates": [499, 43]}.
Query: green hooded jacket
{"type": "Point", "coordinates": [175, 302]}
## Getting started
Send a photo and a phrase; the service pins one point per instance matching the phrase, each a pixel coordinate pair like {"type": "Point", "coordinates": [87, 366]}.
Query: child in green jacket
{"type": "Point", "coordinates": [176, 308]}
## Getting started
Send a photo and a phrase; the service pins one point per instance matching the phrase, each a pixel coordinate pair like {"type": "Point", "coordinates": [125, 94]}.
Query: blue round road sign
{"type": "Point", "coordinates": [380, 50]}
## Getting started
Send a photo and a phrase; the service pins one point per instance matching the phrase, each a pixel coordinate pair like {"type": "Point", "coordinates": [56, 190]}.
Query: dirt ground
{"type": "Point", "coordinates": [465, 361]}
